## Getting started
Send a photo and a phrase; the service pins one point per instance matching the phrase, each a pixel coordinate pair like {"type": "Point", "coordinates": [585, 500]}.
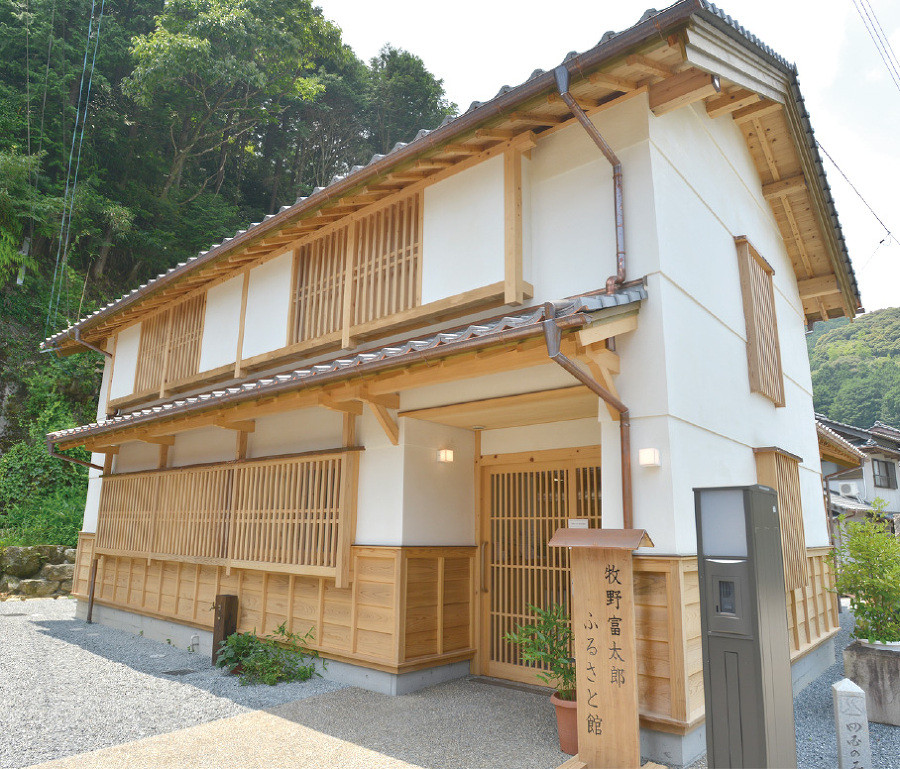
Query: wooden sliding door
{"type": "Point", "coordinates": [525, 499]}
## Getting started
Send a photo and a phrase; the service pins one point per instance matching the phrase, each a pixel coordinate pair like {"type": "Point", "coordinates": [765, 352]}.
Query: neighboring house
{"type": "Point", "coordinates": [367, 414]}
{"type": "Point", "coordinates": [854, 488]}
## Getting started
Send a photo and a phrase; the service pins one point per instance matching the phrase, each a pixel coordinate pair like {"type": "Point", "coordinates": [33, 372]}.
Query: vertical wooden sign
{"type": "Point", "coordinates": [605, 653]}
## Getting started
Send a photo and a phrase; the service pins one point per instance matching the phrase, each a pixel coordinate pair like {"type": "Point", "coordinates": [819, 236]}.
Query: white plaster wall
{"type": "Point", "coordinates": [125, 366]}
{"type": "Point", "coordinates": [136, 456]}
{"type": "Point", "coordinates": [891, 496]}
{"type": "Point", "coordinates": [295, 431]}
{"type": "Point", "coordinates": [463, 232]}
{"type": "Point", "coordinates": [203, 445]}
{"type": "Point", "coordinates": [221, 324]}
{"type": "Point", "coordinates": [706, 192]}
{"type": "Point", "coordinates": [268, 306]}
{"type": "Point", "coordinates": [569, 193]}
{"type": "Point", "coordinates": [556, 435]}
{"type": "Point", "coordinates": [438, 497]}
{"type": "Point", "coordinates": [92, 502]}
{"type": "Point", "coordinates": [379, 513]}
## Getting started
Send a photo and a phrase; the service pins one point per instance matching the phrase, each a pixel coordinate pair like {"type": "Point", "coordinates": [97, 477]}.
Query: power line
{"type": "Point", "coordinates": [67, 200]}
{"type": "Point", "coordinates": [876, 33]}
{"type": "Point", "coordinates": [853, 187]}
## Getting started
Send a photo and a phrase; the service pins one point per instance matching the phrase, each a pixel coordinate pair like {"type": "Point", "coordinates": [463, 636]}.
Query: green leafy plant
{"type": "Point", "coordinates": [867, 564]}
{"type": "Point", "coordinates": [284, 657]}
{"type": "Point", "coordinates": [548, 643]}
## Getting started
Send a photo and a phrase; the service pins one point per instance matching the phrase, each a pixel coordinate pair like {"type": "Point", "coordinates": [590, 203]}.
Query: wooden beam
{"type": "Point", "coordinates": [346, 406]}
{"type": "Point", "coordinates": [612, 82]}
{"type": "Point", "coordinates": [784, 187]}
{"type": "Point", "coordinates": [649, 65]}
{"type": "Point", "coordinates": [821, 286]}
{"type": "Point", "coordinates": [607, 328]}
{"type": "Point", "coordinates": [726, 103]}
{"type": "Point", "coordinates": [513, 271]}
{"type": "Point", "coordinates": [244, 426]}
{"type": "Point", "coordinates": [387, 422]}
{"type": "Point", "coordinates": [160, 440]}
{"type": "Point", "coordinates": [531, 117]}
{"type": "Point", "coordinates": [681, 90]}
{"type": "Point", "coordinates": [108, 450]}
{"type": "Point", "coordinates": [755, 111]}
{"type": "Point", "coordinates": [242, 319]}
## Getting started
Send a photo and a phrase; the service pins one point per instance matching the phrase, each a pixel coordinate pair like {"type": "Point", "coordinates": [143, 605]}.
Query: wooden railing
{"type": "Point", "coordinates": [287, 514]}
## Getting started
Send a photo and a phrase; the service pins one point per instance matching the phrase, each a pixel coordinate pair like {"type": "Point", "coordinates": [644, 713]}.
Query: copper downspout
{"type": "Point", "coordinates": [562, 84]}
{"type": "Point", "coordinates": [553, 337]}
{"type": "Point", "coordinates": [56, 455]}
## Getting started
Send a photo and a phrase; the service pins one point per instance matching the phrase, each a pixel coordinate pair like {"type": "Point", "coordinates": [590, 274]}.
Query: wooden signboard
{"type": "Point", "coordinates": [605, 655]}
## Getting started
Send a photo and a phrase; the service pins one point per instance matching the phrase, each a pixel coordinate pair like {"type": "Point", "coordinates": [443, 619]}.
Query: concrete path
{"type": "Point", "coordinates": [490, 727]}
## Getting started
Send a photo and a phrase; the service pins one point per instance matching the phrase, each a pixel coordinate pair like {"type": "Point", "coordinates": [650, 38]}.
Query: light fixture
{"type": "Point", "coordinates": [648, 457]}
{"type": "Point", "coordinates": [445, 455]}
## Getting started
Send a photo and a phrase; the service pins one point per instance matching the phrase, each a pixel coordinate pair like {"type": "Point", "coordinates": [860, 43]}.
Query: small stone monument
{"type": "Point", "coordinates": [852, 726]}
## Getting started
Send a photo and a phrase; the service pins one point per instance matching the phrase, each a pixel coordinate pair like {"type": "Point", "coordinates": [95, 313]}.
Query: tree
{"type": "Point", "coordinates": [404, 97]}
{"type": "Point", "coordinates": [213, 70]}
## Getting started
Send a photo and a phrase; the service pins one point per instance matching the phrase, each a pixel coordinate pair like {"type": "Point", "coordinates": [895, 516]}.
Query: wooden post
{"type": "Point", "coordinates": [605, 653]}
{"type": "Point", "coordinates": [93, 578]}
{"type": "Point", "coordinates": [225, 621]}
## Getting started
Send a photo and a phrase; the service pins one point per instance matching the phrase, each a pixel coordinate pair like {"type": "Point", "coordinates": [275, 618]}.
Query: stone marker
{"type": "Point", "coordinates": [852, 726]}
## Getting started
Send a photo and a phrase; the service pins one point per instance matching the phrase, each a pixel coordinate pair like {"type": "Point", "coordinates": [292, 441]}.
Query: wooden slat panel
{"type": "Point", "coordinates": [282, 514]}
{"type": "Point", "coordinates": [169, 349]}
{"type": "Point", "coordinates": [782, 472]}
{"type": "Point", "coordinates": [151, 353]}
{"type": "Point", "coordinates": [319, 289]}
{"type": "Point", "coordinates": [763, 350]}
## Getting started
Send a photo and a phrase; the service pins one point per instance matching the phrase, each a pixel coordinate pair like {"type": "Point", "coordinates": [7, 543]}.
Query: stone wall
{"type": "Point", "coordinates": [36, 572]}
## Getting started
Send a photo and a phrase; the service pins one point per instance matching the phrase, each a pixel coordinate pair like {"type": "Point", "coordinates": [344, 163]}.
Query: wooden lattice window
{"type": "Point", "coordinates": [388, 261]}
{"type": "Point", "coordinates": [763, 351]}
{"type": "Point", "coordinates": [319, 286]}
{"type": "Point", "coordinates": [780, 470]}
{"type": "Point", "coordinates": [286, 514]}
{"type": "Point", "coordinates": [169, 351]}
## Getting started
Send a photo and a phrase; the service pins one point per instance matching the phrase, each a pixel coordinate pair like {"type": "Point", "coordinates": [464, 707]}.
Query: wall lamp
{"type": "Point", "coordinates": [648, 457]}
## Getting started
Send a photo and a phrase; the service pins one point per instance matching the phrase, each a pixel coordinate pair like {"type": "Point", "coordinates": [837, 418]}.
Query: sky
{"type": "Point", "coordinates": [476, 47]}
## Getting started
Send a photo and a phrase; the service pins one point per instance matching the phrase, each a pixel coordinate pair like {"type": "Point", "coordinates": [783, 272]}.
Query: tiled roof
{"type": "Point", "coordinates": [363, 362]}
{"type": "Point", "coordinates": [504, 98]}
{"type": "Point", "coordinates": [831, 436]}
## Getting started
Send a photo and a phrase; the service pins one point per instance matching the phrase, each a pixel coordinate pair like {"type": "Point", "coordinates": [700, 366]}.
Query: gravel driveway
{"type": "Point", "coordinates": [67, 687]}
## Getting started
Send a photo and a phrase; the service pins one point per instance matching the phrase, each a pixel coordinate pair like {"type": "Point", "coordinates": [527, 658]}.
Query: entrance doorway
{"type": "Point", "coordinates": [525, 498]}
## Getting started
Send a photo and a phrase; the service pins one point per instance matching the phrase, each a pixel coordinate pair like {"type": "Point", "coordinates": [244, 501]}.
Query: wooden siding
{"type": "Point", "coordinates": [279, 514]}
{"type": "Point", "coordinates": [781, 471]}
{"type": "Point", "coordinates": [812, 608]}
{"type": "Point", "coordinates": [169, 350]}
{"type": "Point", "coordinates": [763, 351]}
{"type": "Point", "coordinates": [407, 607]}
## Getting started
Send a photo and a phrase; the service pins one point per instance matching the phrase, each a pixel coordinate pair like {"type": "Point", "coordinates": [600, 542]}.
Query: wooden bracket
{"type": "Point", "coordinates": [388, 423]}
{"type": "Point", "coordinates": [604, 365]}
{"type": "Point", "coordinates": [681, 90]}
{"type": "Point", "coordinates": [726, 103]}
{"type": "Point", "coordinates": [347, 406]}
{"type": "Point", "coordinates": [607, 327]}
{"type": "Point", "coordinates": [244, 426]}
{"type": "Point", "coordinates": [160, 440]}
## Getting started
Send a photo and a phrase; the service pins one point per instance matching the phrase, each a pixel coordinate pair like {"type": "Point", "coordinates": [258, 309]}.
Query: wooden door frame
{"type": "Point", "coordinates": [530, 459]}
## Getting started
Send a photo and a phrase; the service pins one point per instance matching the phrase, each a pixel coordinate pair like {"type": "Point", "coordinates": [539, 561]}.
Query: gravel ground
{"type": "Point", "coordinates": [67, 687]}
{"type": "Point", "coordinates": [814, 719]}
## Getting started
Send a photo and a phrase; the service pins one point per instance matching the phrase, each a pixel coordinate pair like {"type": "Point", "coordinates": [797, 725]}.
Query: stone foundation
{"type": "Point", "coordinates": [36, 572]}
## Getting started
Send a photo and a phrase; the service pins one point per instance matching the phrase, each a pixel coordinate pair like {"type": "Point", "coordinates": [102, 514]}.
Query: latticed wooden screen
{"type": "Point", "coordinates": [763, 351]}
{"type": "Point", "coordinates": [388, 261]}
{"type": "Point", "coordinates": [282, 514]}
{"type": "Point", "coordinates": [781, 471]}
{"type": "Point", "coordinates": [381, 256]}
{"type": "Point", "coordinates": [527, 504]}
{"type": "Point", "coordinates": [319, 290]}
{"type": "Point", "coordinates": [169, 350]}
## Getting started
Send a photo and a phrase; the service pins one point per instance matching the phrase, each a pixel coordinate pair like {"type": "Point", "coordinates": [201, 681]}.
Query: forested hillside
{"type": "Point", "coordinates": [856, 368]}
{"type": "Point", "coordinates": [134, 133]}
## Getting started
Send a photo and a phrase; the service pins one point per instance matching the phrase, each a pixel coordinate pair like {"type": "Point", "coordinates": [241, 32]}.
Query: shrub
{"type": "Point", "coordinates": [548, 642]}
{"type": "Point", "coordinates": [53, 520]}
{"type": "Point", "coordinates": [867, 564]}
{"type": "Point", "coordinates": [284, 657]}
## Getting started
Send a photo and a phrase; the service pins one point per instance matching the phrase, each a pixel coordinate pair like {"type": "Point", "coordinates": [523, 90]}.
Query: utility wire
{"type": "Point", "coordinates": [885, 51]}
{"type": "Point", "coordinates": [59, 248]}
{"type": "Point", "coordinates": [87, 102]}
{"type": "Point", "coordinates": [853, 187]}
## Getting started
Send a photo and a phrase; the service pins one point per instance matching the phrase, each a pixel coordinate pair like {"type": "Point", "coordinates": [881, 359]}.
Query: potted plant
{"type": "Point", "coordinates": [548, 643]}
{"type": "Point", "coordinates": [867, 567]}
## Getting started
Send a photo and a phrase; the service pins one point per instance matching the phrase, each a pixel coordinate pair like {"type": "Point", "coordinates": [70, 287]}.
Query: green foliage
{"type": "Point", "coordinates": [856, 368]}
{"type": "Point", "coordinates": [54, 519]}
{"type": "Point", "coordinates": [284, 657]}
{"type": "Point", "coordinates": [548, 643]}
{"type": "Point", "coordinates": [867, 564]}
